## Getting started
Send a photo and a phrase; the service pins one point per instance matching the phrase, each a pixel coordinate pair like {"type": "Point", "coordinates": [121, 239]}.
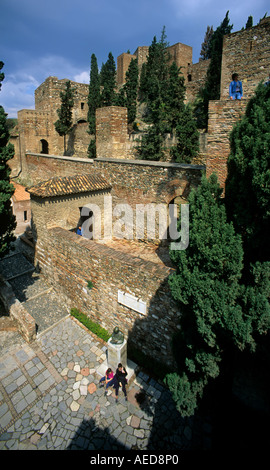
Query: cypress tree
{"type": "Point", "coordinates": [94, 94]}
{"type": "Point", "coordinates": [211, 90]}
{"type": "Point", "coordinates": [187, 135]}
{"type": "Point", "coordinates": [64, 123]}
{"type": "Point", "coordinates": [248, 180]}
{"type": "Point", "coordinates": [224, 311]}
{"type": "Point", "coordinates": [108, 81]}
{"type": "Point", "coordinates": [153, 90]}
{"type": "Point", "coordinates": [8, 222]}
{"type": "Point", "coordinates": [206, 49]}
{"type": "Point", "coordinates": [175, 95]}
{"type": "Point", "coordinates": [131, 90]}
{"type": "Point", "coordinates": [249, 22]}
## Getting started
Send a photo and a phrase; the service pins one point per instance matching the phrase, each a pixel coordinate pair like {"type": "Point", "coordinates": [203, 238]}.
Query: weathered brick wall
{"type": "Point", "coordinates": [40, 167]}
{"type": "Point", "coordinates": [223, 115]}
{"type": "Point", "coordinates": [247, 53]}
{"type": "Point", "coordinates": [47, 97]}
{"type": "Point", "coordinates": [181, 54]}
{"type": "Point", "coordinates": [78, 140]}
{"type": "Point", "coordinates": [111, 132]}
{"type": "Point", "coordinates": [196, 79]}
{"type": "Point", "coordinates": [137, 181]}
{"type": "Point", "coordinates": [131, 180]}
{"type": "Point", "coordinates": [141, 53]}
{"type": "Point", "coordinates": [69, 261]}
{"type": "Point", "coordinates": [63, 211]}
{"type": "Point", "coordinates": [35, 126]}
{"type": "Point", "coordinates": [113, 140]}
{"type": "Point", "coordinates": [123, 62]}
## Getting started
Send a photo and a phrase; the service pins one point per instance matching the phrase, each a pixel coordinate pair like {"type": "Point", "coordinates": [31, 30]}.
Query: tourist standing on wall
{"type": "Point", "coordinates": [235, 89]}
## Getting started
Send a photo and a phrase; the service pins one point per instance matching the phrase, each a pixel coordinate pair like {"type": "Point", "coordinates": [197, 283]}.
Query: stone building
{"type": "Point", "coordinates": [21, 208]}
{"type": "Point", "coordinates": [35, 130]}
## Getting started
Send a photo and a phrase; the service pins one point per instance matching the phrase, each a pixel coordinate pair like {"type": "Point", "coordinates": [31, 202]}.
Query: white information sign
{"type": "Point", "coordinates": [132, 302]}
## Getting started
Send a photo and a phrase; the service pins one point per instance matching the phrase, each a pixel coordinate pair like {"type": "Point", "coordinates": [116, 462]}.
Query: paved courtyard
{"type": "Point", "coordinates": [50, 399]}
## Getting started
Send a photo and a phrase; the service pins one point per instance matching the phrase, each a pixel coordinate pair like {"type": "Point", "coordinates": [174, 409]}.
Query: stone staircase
{"type": "Point", "coordinates": [32, 291]}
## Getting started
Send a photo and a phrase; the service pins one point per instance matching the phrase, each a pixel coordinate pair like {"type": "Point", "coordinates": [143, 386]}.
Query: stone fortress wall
{"type": "Point", "coordinates": [246, 52]}
{"type": "Point", "coordinates": [69, 261]}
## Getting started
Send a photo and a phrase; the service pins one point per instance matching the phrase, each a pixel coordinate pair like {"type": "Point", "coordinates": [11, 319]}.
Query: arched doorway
{"type": "Point", "coordinates": [44, 146]}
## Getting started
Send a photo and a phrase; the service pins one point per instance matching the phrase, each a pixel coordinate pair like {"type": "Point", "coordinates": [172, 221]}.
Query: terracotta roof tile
{"type": "Point", "coordinates": [64, 185]}
{"type": "Point", "coordinates": [20, 193]}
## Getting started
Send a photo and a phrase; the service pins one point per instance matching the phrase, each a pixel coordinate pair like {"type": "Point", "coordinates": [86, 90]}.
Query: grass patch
{"type": "Point", "coordinates": [90, 284]}
{"type": "Point", "coordinates": [90, 325]}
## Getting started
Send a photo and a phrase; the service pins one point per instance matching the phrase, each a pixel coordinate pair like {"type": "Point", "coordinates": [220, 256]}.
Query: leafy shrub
{"type": "Point", "coordinates": [88, 323]}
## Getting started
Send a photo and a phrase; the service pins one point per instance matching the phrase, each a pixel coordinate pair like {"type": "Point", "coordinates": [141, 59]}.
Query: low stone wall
{"type": "Point", "coordinates": [40, 167]}
{"type": "Point", "coordinates": [139, 181]}
{"type": "Point", "coordinates": [24, 322]}
{"type": "Point", "coordinates": [132, 180]}
{"type": "Point", "coordinates": [69, 261]}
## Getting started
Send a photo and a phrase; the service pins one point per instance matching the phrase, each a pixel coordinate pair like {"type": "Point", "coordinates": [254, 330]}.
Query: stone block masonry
{"type": "Point", "coordinates": [39, 167]}
{"type": "Point", "coordinates": [112, 138]}
{"type": "Point", "coordinates": [133, 181]}
{"type": "Point", "coordinates": [247, 53]}
{"type": "Point", "coordinates": [69, 261]}
{"type": "Point", "coordinates": [140, 181]}
{"type": "Point", "coordinates": [223, 115]}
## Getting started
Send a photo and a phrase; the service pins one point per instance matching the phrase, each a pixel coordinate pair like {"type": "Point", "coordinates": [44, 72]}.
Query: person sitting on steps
{"type": "Point", "coordinates": [108, 379]}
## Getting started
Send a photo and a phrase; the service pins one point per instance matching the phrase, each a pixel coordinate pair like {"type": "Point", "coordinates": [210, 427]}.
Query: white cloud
{"type": "Point", "coordinates": [82, 77]}
{"type": "Point", "coordinates": [18, 88]}
{"type": "Point", "coordinates": [16, 95]}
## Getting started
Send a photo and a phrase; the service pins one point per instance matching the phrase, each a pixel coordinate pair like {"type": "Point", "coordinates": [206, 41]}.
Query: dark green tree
{"type": "Point", "coordinates": [120, 97]}
{"type": "Point", "coordinates": [249, 23]}
{"type": "Point", "coordinates": [187, 135]}
{"type": "Point", "coordinates": [248, 181]}
{"type": "Point", "coordinates": [206, 49]}
{"type": "Point", "coordinates": [180, 118]}
{"type": "Point", "coordinates": [131, 90]}
{"type": "Point", "coordinates": [7, 219]}
{"type": "Point", "coordinates": [153, 92]}
{"type": "Point", "coordinates": [151, 146]}
{"type": "Point", "coordinates": [175, 96]}
{"type": "Point", "coordinates": [94, 99]}
{"type": "Point", "coordinates": [155, 74]}
{"type": "Point", "coordinates": [220, 314]}
{"type": "Point", "coordinates": [108, 81]}
{"type": "Point", "coordinates": [211, 90]}
{"type": "Point", "coordinates": [64, 123]}
{"type": "Point", "coordinates": [162, 88]}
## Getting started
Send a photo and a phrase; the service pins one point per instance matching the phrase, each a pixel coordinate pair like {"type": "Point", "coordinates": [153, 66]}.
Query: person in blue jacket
{"type": "Point", "coordinates": [79, 230]}
{"type": "Point", "coordinates": [235, 89]}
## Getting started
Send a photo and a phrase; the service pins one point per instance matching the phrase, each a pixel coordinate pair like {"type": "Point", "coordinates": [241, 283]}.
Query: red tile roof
{"type": "Point", "coordinates": [20, 193]}
{"type": "Point", "coordinates": [64, 185]}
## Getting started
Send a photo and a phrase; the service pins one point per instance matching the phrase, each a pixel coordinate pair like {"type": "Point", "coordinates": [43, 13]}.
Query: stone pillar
{"type": "Point", "coordinates": [112, 140]}
{"type": "Point", "coordinates": [117, 353]}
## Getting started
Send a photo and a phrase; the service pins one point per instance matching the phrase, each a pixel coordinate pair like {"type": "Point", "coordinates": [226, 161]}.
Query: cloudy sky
{"type": "Point", "coordinates": [40, 38]}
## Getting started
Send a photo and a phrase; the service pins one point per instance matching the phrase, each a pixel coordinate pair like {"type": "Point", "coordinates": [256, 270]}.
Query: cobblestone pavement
{"type": "Point", "coordinates": [50, 399]}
